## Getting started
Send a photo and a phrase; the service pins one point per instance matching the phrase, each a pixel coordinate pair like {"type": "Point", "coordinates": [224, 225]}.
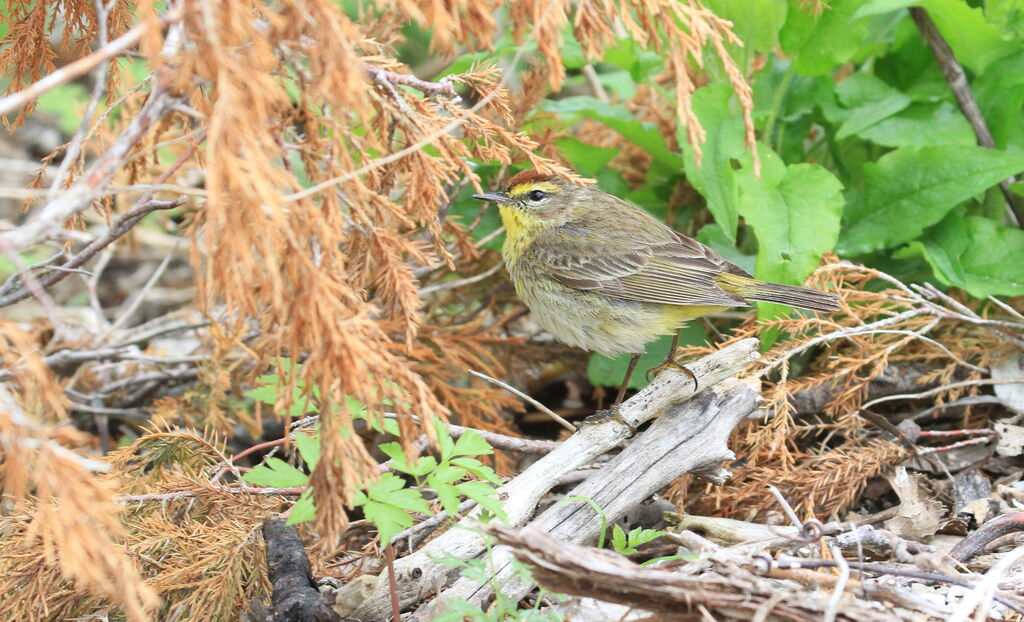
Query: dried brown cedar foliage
{"type": "Point", "coordinates": [821, 465]}
{"type": "Point", "coordinates": [324, 169]}
{"type": "Point", "coordinates": [64, 527]}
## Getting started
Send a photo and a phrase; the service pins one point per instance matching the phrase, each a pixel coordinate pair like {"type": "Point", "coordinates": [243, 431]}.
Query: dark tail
{"type": "Point", "coordinates": [802, 297]}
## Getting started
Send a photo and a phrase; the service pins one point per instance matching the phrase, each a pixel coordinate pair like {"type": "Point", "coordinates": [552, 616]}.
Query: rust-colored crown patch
{"type": "Point", "coordinates": [530, 175]}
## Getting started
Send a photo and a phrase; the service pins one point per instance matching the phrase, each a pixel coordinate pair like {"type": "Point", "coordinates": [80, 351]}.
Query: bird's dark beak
{"type": "Point", "coordinates": [492, 196]}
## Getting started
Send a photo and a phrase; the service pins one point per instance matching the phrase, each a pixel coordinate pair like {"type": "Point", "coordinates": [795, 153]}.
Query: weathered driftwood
{"type": "Point", "coordinates": [687, 438]}
{"type": "Point", "coordinates": [419, 575]}
{"type": "Point", "coordinates": [739, 595]}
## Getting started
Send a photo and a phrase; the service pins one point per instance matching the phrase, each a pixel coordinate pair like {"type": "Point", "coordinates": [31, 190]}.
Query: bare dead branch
{"type": "Point", "coordinates": [975, 543]}
{"type": "Point", "coordinates": [85, 64]}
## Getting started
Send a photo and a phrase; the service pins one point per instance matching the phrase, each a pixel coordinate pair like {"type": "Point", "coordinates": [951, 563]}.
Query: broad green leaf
{"type": "Point", "coordinates": [818, 44]}
{"type": "Point", "coordinates": [921, 125]}
{"type": "Point", "coordinates": [871, 112]}
{"type": "Point", "coordinates": [913, 188]}
{"type": "Point", "coordinates": [586, 160]}
{"type": "Point", "coordinates": [303, 510]}
{"type": "Point", "coordinates": [974, 41]}
{"type": "Point", "coordinates": [795, 213]}
{"type": "Point", "coordinates": [755, 22]}
{"type": "Point", "coordinates": [977, 255]}
{"type": "Point", "coordinates": [275, 473]}
{"type": "Point", "coordinates": [713, 236]}
{"type": "Point", "coordinates": [1007, 15]}
{"type": "Point", "coordinates": [471, 444]}
{"type": "Point", "coordinates": [715, 177]}
{"type": "Point", "coordinates": [620, 119]}
{"type": "Point", "coordinates": [1000, 94]}
{"type": "Point", "coordinates": [877, 7]}
{"type": "Point", "coordinates": [640, 62]}
{"type": "Point", "coordinates": [308, 445]}
{"type": "Point", "coordinates": [608, 372]}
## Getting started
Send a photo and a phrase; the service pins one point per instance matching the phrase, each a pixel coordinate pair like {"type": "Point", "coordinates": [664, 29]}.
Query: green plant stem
{"type": "Point", "coordinates": [780, 95]}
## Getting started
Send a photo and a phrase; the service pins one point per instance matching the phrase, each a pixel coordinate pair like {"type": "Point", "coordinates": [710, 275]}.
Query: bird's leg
{"type": "Point", "coordinates": [612, 413]}
{"type": "Point", "coordinates": [671, 362]}
{"type": "Point", "coordinates": [625, 380]}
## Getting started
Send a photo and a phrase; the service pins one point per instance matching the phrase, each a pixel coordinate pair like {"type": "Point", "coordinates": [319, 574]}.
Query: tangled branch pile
{"type": "Point", "coordinates": [311, 174]}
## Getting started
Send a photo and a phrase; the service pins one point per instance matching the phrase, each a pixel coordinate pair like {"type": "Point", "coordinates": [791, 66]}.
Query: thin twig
{"type": "Point", "coordinates": [541, 407]}
{"type": "Point", "coordinates": [137, 299]}
{"type": "Point", "coordinates": [74, 147]}
{"type": "Point", "coordinates": [940, 389]}
{"type": "Point", "coordinates": [446, 285]}
{"type": "Point", "coordinates": [84, 65]}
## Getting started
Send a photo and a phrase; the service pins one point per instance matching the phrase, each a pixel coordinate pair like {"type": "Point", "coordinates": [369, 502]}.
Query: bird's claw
{"type": "Point", "coordinates": [671, 363]}
{"type": "Point", "coordinates": [609, 414]}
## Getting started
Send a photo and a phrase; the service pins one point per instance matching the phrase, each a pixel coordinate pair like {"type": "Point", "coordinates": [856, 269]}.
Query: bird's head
{"type": "Point", "coordinates": [533, 201]}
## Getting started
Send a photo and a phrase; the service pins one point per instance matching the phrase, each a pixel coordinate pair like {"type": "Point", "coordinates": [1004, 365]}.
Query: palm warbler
{"type": "Point", "coordinates": [602, 274]}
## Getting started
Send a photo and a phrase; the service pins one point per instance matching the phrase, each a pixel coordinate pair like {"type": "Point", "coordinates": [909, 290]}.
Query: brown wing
{"type": "Point", "coordinates": [661, 266]}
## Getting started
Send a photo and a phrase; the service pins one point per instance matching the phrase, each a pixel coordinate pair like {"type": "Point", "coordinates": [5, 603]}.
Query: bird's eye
{"type": "Point", "coordinates": [536, 195]}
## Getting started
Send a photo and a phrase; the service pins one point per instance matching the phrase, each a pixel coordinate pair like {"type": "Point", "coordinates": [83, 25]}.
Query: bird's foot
{"type": "Point", "coordinates": [671, 363]}
{"type": "Point", "coordinates": [609, 414]}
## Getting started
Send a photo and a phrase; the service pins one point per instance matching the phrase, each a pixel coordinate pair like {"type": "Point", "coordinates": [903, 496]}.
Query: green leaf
{"type": "Point", "coordinates": [471, 444]}
{"type": "Point", "coordinates": [387, 518]}
{"type": "Point", "coordinates": [485, 495]}
{"type": "Point", "coordinates": [394, 451]}
{"type": "Point", "coordinates": [976, 254]}
{"type": "Point", "coordinates": [586, 159]}
{"type": "Point", "coordinates": [275, 473]}
{"type": "Point", "coordinates": [619, 540]}
{"type": "Point", "coordinates": [1000, 94]}
{"type": "Point", "coordinates": [641, 536]}
{"type": "Point", "coordinates": [755, 22]}
{"type": "Point", "coordinates": [266, 393]}
{"type": "Point", "coordinates": [618, 118]}
{"type": "Point", "coordinates": [386, 504]}
{"type": "Point", "coordinates": [479, 469]}
{"type": "Point", "coordinates": [818, 44]}
{"type": "Point", "coordinates": [713, 236]}
{"type": "Point", "coordinates": [878, 7]}
{"type": "Point", "coordinates": [445, 474]}
{"type": "Point", "coordinates": [640, 62]}
{"type": "Point", "coordinates": [921, 125]}
{"type": "Point", "coordinates": [870, 114]}
{"type": "Point", "coordinates": [444, 440]}
{"type": "Point", "coordinates": [795, 213]}
{"type": "Point", "coordinates": [715, 178]}
{"type": "Point", "coordinates": [608, 372]}
{"type": "Point", "coordinates": [308, 445]}
{"type": "Point", "coordinates": [303, 510]}
{"type": "Point", "coordinates": [974, 41]}
{"type": "Point", "coordinates": [448, 495]}
{"type": "Point", "coordinates": [913, 188]}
